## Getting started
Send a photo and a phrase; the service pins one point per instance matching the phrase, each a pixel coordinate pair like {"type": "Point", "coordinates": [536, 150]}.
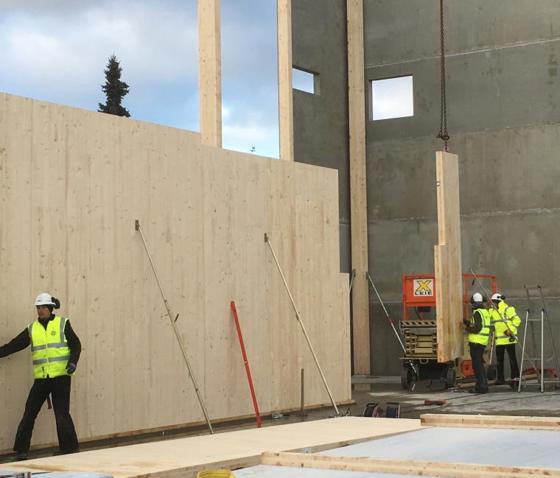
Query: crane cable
{"type": "Point", "coordinates": [443, 134]}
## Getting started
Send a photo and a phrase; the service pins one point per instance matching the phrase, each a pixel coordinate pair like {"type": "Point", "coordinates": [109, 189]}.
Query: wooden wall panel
{"type": "Point", "coordinates": [210, 71]}
{"type": "Point", "coordinates": [358, 187]}
{"type": "Point", "coordinates": [447, 259]}
{"type": "Point", "coordinates": [285, 93]}
{"type": "Point", "coordinates": [73, 182]}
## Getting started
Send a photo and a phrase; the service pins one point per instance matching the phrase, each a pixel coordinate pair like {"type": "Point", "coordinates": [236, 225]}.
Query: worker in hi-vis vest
{"type": "Point", "coordinates": [478, 328]}
{"type": "Point", "coordinates": [55, 350]}
{"type": "Point", "coordinates": [506, 322]}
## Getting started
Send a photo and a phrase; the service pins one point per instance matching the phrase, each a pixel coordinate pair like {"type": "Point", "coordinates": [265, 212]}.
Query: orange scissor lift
{"type": "Point", "coordinates": [418, 328]}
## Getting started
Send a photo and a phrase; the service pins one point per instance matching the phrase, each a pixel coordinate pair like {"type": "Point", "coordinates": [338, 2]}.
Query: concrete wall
{"type": "Point", "coordinates": [504, 121]}
{"type": "Point", "coordinates": [321, 120]}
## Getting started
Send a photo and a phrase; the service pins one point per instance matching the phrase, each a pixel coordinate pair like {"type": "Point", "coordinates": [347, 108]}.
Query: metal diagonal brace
{"type": "Point", "coordinates": [391, 323]}
{"type": "Point", "coordinates": [410, 363]}
{"type": "Point", "coordinates": [298, 317]}
{"type": "Point", "coordinates": [174, 326]}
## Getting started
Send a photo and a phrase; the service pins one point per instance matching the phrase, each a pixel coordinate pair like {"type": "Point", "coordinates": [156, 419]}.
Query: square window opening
{"type": "Point", "coordinates": [304, 80]}
{"type": "Point", "coordinates": [392, 98]}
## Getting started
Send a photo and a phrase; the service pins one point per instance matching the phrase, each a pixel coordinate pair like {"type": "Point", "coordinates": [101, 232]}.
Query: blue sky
{"type": "Point", "coordinates": [56, 50]}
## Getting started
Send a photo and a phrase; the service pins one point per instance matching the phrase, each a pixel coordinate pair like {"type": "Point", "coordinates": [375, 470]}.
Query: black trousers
{"type": "Point", "coordinates": [477, 351]}
{"type": "Point", "coordinates": [500, 356]}
{"type": "Point", "coordinates": [59, 388]}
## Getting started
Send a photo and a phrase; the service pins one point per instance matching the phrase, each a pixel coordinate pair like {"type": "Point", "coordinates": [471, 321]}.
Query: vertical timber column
{"type": "Point", "coordinates": [285, 95]}
{"type": "Point", "coordinates": [210, 72]}
{"type": "Point", "coordinates": [358, 191]}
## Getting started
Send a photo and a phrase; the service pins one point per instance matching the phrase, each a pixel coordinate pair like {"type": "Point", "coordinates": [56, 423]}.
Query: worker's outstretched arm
{"type": "Point", "coordinates": [15, 345]}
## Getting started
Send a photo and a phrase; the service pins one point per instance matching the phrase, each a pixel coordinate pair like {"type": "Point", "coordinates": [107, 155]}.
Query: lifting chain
{"type": "Point", "coordinates": [443, 134]}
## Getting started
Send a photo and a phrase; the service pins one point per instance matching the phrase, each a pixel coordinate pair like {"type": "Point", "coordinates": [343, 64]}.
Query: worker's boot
{"type": "Point", "coordinates": [21, 455]}
{"type": "Point", "coordinates": [65, 452]}
{"type": "Point", "coordinates": [478, 390]}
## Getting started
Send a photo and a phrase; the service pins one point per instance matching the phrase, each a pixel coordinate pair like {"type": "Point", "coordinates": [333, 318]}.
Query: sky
{"type": "Point", "coordinates": [57, 50]}
{"type": "Point", "coordinates": [392, 98]}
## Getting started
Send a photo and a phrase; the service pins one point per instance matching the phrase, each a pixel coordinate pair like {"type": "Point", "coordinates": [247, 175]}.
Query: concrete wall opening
{"type": "Point", "coordinates": [304, 80]}
{"type": "Point", "coordinates": [391, 98]}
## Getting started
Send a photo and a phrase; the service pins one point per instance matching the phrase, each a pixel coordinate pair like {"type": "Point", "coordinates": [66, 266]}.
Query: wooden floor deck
{"type": "Point", "coordinates": [186, 456]}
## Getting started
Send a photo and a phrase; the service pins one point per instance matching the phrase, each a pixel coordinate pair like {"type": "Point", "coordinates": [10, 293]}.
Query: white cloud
{"type": "Point", "coordinates": [250, 127]}
{"type": "Point", "coordinates": [245, 136]}
{"type": "Point", "coordinates": [41, 5]}
{"type": "Point", "coordinates": [226, 112]}
{"type": "Point", "coordinates": [151, 43]}
{"type": "Point", "coordinates": [57, 50]}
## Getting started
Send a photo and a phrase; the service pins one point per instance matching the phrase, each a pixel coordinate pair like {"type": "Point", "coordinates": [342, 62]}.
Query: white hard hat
{"type": "Point", "coordinates": [477, 298]}
{"type": "Point", "coordinates": [497, 297]}
{"type": "Point", "coordinates": [44, 298]}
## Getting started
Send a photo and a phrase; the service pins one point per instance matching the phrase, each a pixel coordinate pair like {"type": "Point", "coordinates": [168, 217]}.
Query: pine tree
{"type": "Point", "coordinates": [115, 89]}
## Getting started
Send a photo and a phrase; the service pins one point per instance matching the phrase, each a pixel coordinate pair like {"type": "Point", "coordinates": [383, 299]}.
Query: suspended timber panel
{"type": "Point", "coordinates": [72, 184]}
{"type": "Point", "coordinates": [447, 259]}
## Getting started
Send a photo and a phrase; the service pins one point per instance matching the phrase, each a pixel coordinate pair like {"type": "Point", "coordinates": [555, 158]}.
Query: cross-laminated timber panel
{"type": "Point", "coordinates": [210, 72]}
{"type": "Point", "coordinates": [347, 443]}
{"type": "Point", "coordinates": [447, 259]}
{"type": "Point", "coordinates": [73, 182]}
{"type": "Point", "coordinates": [285, 93]}
{"type": "Point", "coordinates": [401, 467]}
{"type": "Point", "coordinates": [184, 457]}
{"type": "Point", "coordinates": [358, 187]}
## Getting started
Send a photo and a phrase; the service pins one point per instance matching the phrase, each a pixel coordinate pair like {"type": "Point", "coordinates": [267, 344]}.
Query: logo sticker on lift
{"type": "Point", "coordinates": [423, 287]}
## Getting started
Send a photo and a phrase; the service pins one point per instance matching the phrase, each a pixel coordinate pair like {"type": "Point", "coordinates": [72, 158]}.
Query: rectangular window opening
{"type": "Point", "coordinates": [303, 80]}
{"type": "Point", "coordinates": [392, 98]}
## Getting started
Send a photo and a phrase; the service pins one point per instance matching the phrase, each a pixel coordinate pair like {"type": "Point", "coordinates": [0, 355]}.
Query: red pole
{"type": "Point", "coordinates": [246, 362]}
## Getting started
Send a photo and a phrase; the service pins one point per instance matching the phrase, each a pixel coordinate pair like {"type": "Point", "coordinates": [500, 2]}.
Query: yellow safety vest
{"type": "Point", "coordinates": [49, 348]}
{"type": "Point", "coordinates": [482, 336]}
{"type": "Point", "coordinates": [504, 319]}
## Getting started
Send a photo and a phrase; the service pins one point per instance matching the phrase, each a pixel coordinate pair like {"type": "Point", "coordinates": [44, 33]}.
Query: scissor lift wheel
{"type": "Point", "coordinates": [408, 377]}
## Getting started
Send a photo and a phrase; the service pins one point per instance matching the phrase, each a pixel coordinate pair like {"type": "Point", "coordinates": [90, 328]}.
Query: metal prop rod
{"type": "Point", "coordinates": [298, 317]}
{"type": "Point", "coordinates": [544, 310]}
{"type": "Point", "coordinates": [174, 326]}
{"type": "Point", "coordinates": [352, 277]}
{"type": "Point", "coordinates": [386, 312]}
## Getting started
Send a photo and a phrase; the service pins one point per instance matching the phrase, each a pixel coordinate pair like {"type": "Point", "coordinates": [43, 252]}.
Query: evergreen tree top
{"type": "Point", "coordinates": [115, 89]}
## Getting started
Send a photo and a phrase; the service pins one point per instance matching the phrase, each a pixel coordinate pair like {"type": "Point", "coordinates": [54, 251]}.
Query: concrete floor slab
{"type": "Point", "coordinates": [500, 401]}
{"type": "Point", "coordinates": [536, 448]}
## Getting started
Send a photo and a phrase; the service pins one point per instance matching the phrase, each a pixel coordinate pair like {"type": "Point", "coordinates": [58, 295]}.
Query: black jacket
{"type": "Point", "coordinates": [23, 340]}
